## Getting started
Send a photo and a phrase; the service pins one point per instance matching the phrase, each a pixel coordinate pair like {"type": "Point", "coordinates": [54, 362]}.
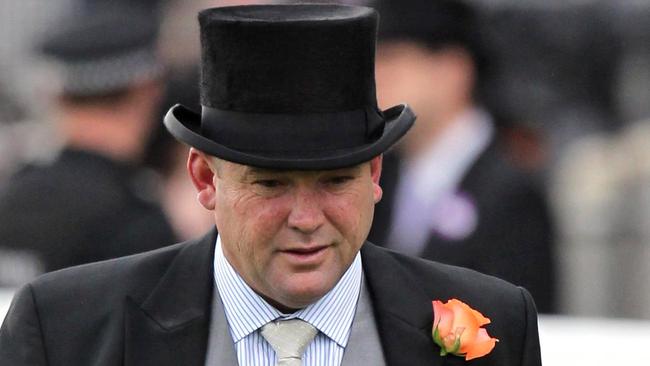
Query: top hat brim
{"type": "Point", "coordinates": [185, 125]}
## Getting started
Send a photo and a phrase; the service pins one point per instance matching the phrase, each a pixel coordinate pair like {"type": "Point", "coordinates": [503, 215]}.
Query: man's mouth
{"type": "Point", "coordinates": [306, 254]}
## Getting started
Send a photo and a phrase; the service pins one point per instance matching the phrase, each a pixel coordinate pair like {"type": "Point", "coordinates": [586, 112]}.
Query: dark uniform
{"type": "Point", "coordinates": [81, 208]}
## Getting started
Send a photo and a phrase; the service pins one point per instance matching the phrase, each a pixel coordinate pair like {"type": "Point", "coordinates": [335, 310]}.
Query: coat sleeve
{"type": "Point", "coordinates": [21, 337]}
{"type": "Point", "coordinates": [531, 354]}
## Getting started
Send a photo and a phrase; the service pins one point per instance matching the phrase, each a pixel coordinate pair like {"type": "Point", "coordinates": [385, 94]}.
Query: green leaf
{"type": "Point", "coordinates": [436, 336]}
{"type": "Point", "coordinates": [456, 347]}
{"type": "Point", "coordinates": [437, 340]}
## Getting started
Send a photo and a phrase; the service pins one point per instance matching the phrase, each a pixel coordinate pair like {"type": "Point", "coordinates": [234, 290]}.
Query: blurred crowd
{"type": "Point", "coordinates": [529, 159]}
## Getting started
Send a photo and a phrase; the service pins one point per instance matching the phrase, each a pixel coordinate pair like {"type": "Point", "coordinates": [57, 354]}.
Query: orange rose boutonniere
{"type": "Point", "coordinates": [457, 330]}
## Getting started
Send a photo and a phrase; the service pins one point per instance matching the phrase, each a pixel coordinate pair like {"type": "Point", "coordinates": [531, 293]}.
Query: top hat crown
{"type": "Point", "coordinates": [435, 24]}
{"type": "Point", "coordinates": [289, 86]}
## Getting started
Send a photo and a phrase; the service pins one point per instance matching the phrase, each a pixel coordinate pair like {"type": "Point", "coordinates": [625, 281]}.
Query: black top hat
{"type": "Point", "coordinates": [434, 23]}
{"type": "Point", "coordinates": [289, 87]}
{"type": "Point", "coordinates": [104, 50]}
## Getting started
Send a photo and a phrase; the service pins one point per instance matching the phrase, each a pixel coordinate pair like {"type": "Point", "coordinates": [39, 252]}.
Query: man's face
{"type": "Point", "coordinates": [292, 234]}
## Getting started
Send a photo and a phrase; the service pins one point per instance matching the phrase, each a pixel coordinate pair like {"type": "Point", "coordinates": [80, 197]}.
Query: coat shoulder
{"type": "Point", "coordinates": [435, 275]}
{"type": "Point", "coordinates": [81, 314]}
{"type": "Point", "coordinates": [103, 286]}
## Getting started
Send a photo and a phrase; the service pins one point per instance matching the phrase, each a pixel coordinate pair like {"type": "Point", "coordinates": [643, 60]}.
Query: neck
{"type": "Point", "coordinates": [282, 308]}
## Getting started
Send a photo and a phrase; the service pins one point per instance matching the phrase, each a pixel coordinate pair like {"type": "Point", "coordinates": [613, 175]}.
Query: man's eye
{"type": "Point", "coordinates": [339, 179]}
{"type": "Point", "coordinates": [268, 183]}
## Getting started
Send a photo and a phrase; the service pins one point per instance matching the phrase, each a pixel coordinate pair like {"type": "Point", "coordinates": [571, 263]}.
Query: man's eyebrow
{"type": "Point", "coordinates": [253, 171]}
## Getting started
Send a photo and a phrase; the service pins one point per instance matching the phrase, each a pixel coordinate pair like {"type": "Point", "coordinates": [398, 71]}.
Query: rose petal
{"type": "Point", "coordinates": [481, 346]}
{"type": "Point", "coordinates": [467, 340]}
{"type": "Point", "coordinates": [482, 320]}
{"type": "Point", "coordinates": [443, 318]}
{"type": "Point", "coordinates": [463, 317]}
{"type": "Point", "coordinates": [437, 305]}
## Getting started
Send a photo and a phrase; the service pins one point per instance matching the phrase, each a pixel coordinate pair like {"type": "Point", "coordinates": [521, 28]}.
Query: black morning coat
{"type": "Point", "coordinates": [154, 309]}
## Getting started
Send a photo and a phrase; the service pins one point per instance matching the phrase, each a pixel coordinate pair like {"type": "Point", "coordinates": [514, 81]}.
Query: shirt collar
{"type": "Point", "coordinates": [246, 311]}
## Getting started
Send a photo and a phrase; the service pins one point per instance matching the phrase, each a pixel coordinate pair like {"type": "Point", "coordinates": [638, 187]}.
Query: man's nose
{"type": "Point", "coordinates": [306, 212]}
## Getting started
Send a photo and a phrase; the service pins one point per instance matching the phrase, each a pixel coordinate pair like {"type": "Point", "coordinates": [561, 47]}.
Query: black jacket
{"type": "Point", "coordinates": [154, 309]}
{"type": "Point", "coordinates": [514, 235]}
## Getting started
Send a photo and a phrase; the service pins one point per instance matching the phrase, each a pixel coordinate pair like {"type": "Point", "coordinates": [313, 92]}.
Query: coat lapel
{"type": "Point", "coordinates": [403, 311]}
{"type": "Point", "coordinates": [171, 326]}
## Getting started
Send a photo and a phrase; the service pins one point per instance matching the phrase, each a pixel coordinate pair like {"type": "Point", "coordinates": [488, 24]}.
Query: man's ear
{"type": "Point", "coordinates": [202, 177]}
{"type": "Point", "coordinates": [375, 174]}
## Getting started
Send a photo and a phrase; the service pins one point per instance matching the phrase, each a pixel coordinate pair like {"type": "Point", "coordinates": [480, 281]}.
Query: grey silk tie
{"type": "Point", "coordinates": [289, 339]}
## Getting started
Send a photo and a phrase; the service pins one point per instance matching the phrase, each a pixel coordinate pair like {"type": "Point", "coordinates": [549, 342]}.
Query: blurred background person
{"type": "Point", "coordinates": [454, 190]}
{"type": "Point", "coordinates": [560, 72]}
{"type": "Point", "coordinates": [92, 201]}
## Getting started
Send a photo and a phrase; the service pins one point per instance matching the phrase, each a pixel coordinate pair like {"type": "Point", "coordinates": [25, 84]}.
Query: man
{"type": "Point", "coordinates": [91, 202]}
{"type": "Point", "coordinates": [286, 153]}
{"type": "Point", "coordinates": [477, 206]}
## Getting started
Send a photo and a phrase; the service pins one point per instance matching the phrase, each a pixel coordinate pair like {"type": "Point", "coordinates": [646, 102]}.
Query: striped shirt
{"type": "Point", "coordinates": [246, 312]}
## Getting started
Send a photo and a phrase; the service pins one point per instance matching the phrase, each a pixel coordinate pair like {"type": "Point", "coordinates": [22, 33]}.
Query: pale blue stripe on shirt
{"type": "Point", "coordinates": [246, 312]}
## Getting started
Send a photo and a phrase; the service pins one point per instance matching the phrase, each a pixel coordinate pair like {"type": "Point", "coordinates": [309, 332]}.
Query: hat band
{"type": "Point", "coordinates": [107, 74]}
{"type": "Point", "coordinates": [274, 132]}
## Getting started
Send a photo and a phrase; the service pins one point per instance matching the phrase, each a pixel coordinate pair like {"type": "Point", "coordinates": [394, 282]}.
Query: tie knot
{"type": "Point", "coordinates": [289, 338]}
